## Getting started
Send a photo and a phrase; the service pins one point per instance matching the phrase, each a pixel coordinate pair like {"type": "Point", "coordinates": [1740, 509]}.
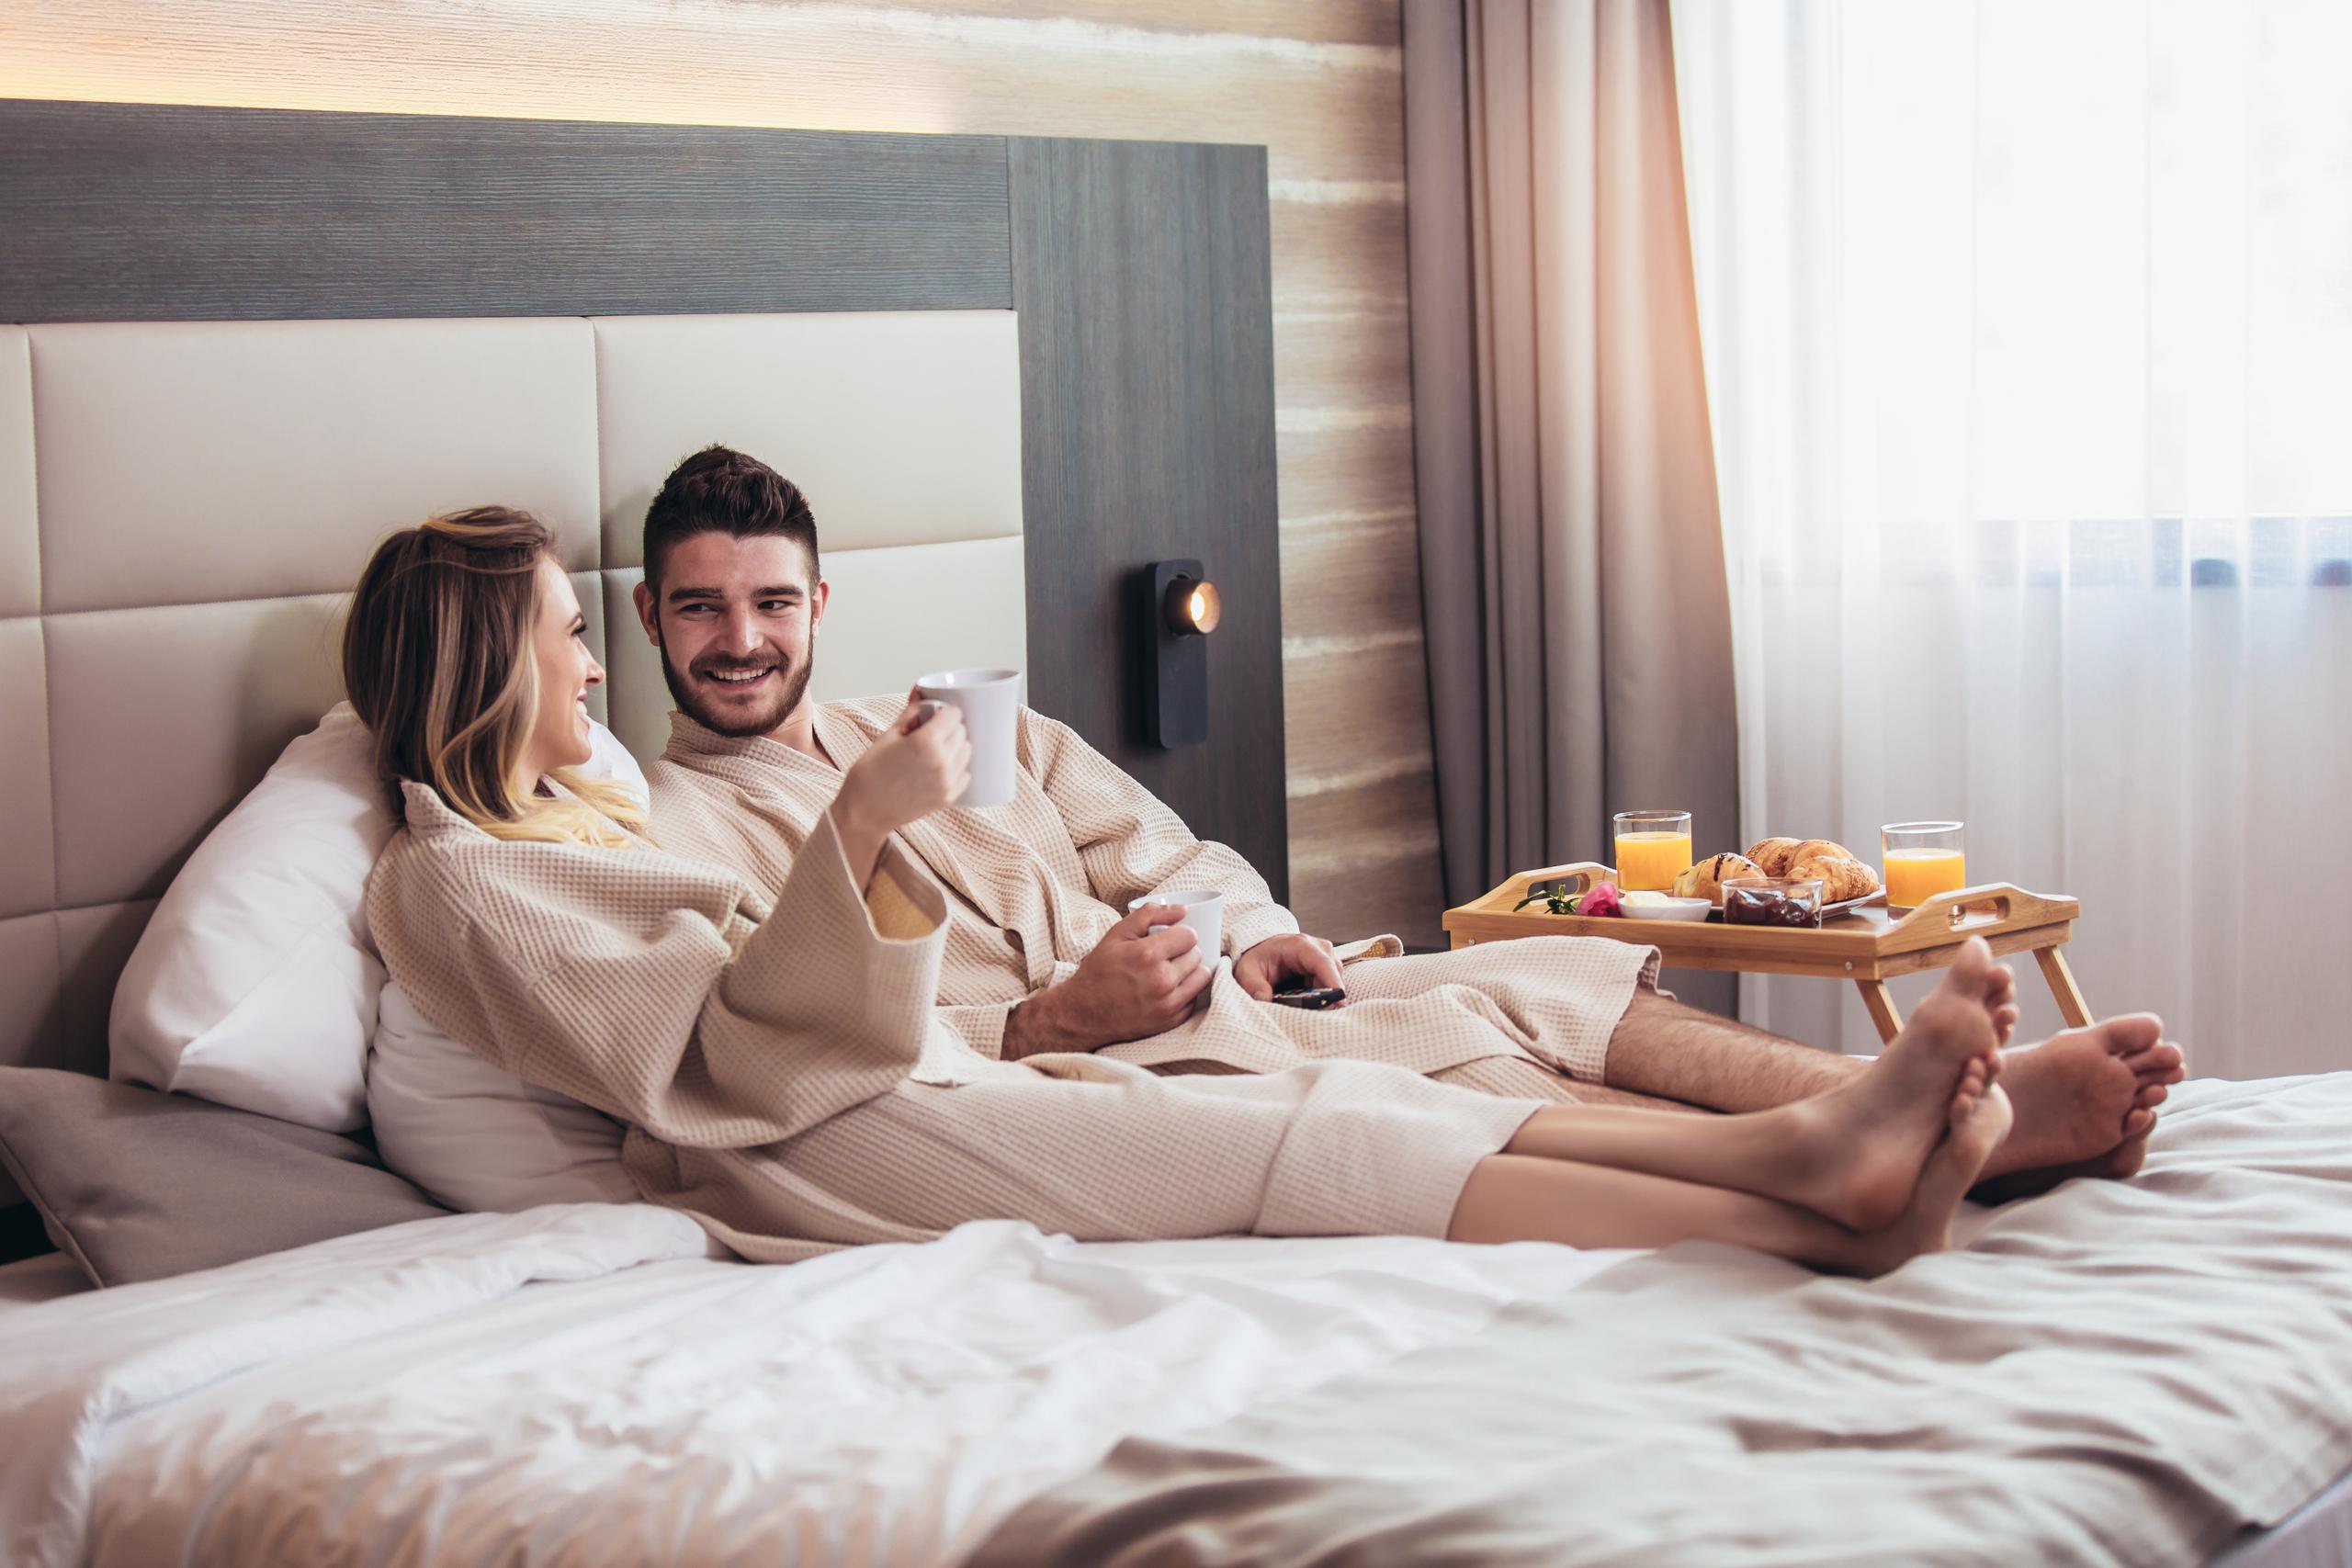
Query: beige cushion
{"type": "Point", "coordinates": [93, 945]}
{"type": "Point", "coordinates": [135, 1185]}
{"type": "Point", "coordinates": [28, 992]}
{"type": "Point", "coordinates": [903, 428]}
{"type": "Point", "coordinates": [151, 752]}
{"type": "Point", "coordinates": [28, 871]}
{"type": "Point", "coordinates": [182, 462]}
{"type": "Point", "coordinates": [19, 553]}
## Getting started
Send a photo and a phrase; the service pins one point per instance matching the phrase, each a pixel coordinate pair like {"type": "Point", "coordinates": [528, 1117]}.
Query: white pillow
{"type": "Point", "coordinates": [477, 1138]}
{"type": "Point", "coordinates": [254, 985]}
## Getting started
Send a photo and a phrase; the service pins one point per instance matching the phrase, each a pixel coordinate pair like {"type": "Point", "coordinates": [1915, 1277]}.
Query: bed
{"type": "Point", "coordinates": [2155, 1371]}
{"type": "Point", "coordinates": [581, 1384]}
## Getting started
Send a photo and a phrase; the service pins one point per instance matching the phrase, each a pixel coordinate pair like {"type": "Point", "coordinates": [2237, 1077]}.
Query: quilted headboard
{"type": "Point", "coordinates": [184, 505]}
{"type": "Point", "coordinates": [1008, 371]}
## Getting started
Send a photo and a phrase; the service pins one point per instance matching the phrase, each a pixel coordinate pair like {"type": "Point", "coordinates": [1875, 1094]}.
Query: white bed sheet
{"type": "Point", "coordinates": [580, 1385]}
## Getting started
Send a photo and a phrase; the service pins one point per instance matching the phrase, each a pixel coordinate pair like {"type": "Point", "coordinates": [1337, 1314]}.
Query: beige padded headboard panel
{"type": "Point", "coordinates": [184, 505]}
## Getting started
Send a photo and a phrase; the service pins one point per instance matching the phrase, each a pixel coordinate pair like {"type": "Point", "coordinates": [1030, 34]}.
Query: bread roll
{"type": "Point", "coordinates": [1842, 876]}
{"type": "Point", "coordinates": [1706, 878]}
{"type": "Point", "coordinates": [1773, 856]}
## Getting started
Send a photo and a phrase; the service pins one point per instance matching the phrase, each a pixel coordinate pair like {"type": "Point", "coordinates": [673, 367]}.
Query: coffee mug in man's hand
{"type": "Point", "coordinates": [989, 701]}
{"type": "Point", "coordinates": [1203, 911]}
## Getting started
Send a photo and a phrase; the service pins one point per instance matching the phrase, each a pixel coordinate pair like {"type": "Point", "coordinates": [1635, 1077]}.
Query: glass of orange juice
{"type": "Point", "coordinates": [1652, 848]}
{"type": "Point", "coordinates": [1922, 859]}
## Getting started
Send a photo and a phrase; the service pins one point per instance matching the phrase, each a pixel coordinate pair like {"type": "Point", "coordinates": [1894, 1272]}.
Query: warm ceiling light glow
{"type": "Point", "coordinates": [1193, 606]}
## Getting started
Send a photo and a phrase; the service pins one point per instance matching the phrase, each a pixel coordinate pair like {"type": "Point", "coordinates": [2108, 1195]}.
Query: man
{"type": "Point", "coordinates": [1041, 959]}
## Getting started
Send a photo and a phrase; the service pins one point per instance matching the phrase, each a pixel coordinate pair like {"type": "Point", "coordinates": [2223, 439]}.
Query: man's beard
{"type": "Point", "coordinates": [791, 683]}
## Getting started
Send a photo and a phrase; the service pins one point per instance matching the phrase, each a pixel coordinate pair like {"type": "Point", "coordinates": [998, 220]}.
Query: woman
{"type": "Point", "coordinates": [782, 1078]}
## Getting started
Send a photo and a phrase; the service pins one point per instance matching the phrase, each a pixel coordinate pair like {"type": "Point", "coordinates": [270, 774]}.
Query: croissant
{"type": "Point", "coordinates": [1706, 878]}
{"type": "Point", "coordinates": [1842, 876]}
{"type": "Point", "coordinates": [1773, 856]}
{"type": "Point", "coordinates": [1812, 847]}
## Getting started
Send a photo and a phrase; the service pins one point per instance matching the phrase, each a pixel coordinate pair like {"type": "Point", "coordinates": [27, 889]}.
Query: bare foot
{"type": "Point", "coordinates": [2085, 1101]}
{"type": "Point", "coordinates": [1980, 1117]}
{"type": "Point", "coordinates": [2000, 998]}
{"type": "Point", "coordinates": [1862, 1147]}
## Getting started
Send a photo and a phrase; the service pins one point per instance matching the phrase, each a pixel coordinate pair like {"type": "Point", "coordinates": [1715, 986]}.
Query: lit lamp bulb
{"type": "Point", "coordinates": [1192, 606]}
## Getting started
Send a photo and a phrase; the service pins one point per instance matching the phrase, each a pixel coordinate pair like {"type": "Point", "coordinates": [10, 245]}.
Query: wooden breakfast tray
{"type": "Point", "coordinates": [1867, 946]}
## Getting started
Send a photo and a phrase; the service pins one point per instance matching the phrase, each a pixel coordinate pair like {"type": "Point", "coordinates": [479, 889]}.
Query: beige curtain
{"type": "Point", "coordinates": [1578, 625]}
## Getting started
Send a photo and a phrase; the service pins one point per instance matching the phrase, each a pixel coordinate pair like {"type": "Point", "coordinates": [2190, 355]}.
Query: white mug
{"type": "Point", "coordinates": [1203, 911]}
{"type": "Point", "coordinates": [989, 701]}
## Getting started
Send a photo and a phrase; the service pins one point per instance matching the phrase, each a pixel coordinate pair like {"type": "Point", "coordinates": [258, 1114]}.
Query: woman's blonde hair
{"type": "Point", "coordinates": [438, 660]}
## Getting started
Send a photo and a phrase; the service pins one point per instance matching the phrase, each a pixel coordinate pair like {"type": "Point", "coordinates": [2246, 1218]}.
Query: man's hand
{"type": "Point", "coordinates": [1136, 983]}
{"type": "Point", "coordinates": [1263, 969]}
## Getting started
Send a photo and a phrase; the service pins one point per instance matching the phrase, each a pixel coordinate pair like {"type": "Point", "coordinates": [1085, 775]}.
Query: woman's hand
{"type": "Point", "coordinates": [912, 769]}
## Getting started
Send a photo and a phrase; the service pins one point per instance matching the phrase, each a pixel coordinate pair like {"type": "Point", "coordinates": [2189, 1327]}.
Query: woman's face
{"type": "Point", "coordinates": [567, 669]}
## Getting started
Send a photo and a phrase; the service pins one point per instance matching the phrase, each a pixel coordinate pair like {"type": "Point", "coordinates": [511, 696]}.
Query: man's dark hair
{"type": "Point", "coordinates": [719, 489]}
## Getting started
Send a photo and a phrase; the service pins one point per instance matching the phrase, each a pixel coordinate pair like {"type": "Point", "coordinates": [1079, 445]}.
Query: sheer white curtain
{"type": "Point", "coordinates": [2029, 341]}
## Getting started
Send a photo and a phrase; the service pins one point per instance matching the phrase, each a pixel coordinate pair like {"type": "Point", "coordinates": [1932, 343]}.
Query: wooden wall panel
{"type": "Point", "coordinates": [1319, 83]}
{"type": "Point", "coordinates": [1122, 250]}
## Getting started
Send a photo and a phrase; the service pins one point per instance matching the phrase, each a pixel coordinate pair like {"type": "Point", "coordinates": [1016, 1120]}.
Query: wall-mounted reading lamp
{"type": "Point", "coordinates": [1179, 607]}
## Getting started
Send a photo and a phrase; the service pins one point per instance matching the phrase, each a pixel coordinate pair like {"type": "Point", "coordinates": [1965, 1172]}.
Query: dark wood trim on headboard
{"type": "Point", "coordinates": [1140, 271]}
{"type": "Point", "coordinates": [1141, 274]}
{"type": "Point", "coordinates": [162, 213]}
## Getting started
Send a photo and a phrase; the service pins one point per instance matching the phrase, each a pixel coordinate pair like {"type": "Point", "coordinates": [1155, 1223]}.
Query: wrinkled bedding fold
{"type": "Point", "coordinates": [2114, 1373]}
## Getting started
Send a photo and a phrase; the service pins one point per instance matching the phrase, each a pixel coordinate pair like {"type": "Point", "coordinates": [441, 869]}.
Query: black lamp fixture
{"type": "Point", "coordinates": [1179, 607]}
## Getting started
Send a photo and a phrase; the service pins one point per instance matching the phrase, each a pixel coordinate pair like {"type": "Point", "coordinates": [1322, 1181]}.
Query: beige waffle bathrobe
{"type": "Point", "coordinates": [1034, 884]}
{"type": "Point", "coordinates": [786, 1080]}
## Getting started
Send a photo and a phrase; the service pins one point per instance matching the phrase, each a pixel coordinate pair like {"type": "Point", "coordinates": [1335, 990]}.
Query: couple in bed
{"type": "Point", "coordinates": [832, 1010]}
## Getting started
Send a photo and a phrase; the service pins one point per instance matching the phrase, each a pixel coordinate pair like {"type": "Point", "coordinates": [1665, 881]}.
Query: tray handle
{"type": "Point", "coordinates": [2003, 901]}
{"type": "Point", "coordinates": [1499, 902]}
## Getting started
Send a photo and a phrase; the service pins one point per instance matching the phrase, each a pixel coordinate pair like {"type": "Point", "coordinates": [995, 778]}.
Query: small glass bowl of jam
{"type": "Point", "coordinates": [1772, 901]}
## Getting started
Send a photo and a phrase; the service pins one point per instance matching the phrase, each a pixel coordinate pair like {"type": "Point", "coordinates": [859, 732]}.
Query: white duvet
{"type": "Point", "coordinates": [582, 1385]}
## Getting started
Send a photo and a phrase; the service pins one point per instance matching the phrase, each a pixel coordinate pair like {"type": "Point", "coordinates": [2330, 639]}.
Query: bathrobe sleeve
{"type": "Point", "coordinates": [638, 983]}
{"type": "Point", "coordinates": [1131, 843]}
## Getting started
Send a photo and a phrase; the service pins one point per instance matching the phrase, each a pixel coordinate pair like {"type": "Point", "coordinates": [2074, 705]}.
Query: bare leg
{"type": "Point", "coordinates": [1661, 1047]}
{"type": "Point", "coordinates": [1523, 1078]}
{"type": "Point", "coordinates": [1602, 1094]}
{"type": "Point", "coordinates": [2086, 1098]}
{"type": "Point", "coordinates": [1672, 1052]}
{"type": "Point", "coordinates": [1853, 1155]}
{"type": "Point", "coordinates": [1526, 1198]}
{"type": "Point", "coordinates": [1529, 1198]}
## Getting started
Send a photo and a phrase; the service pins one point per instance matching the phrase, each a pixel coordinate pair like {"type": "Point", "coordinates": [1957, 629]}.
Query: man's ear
{"type": "Point", "coordinates": [817, 603]}
{"type": "Point", "coordinates": [648, 613]}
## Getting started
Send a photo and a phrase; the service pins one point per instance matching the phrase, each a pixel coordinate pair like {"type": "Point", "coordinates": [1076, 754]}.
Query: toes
{"type": "Point", "coordinates": [2138, 1125]}
{"type": "Point", "coordinates": [1975, 1078]}
{"type": "Point", "coordinates": [1972, 964]}
{"type": "Point", "coordinates": [2004, 1021]}
{"type": "Point", "coordinates": [2151, 1096]}
{"type": "Point", "coordinates": [2131, 1032]}
{"type": "Point", "coordinates": [2159, 1065]}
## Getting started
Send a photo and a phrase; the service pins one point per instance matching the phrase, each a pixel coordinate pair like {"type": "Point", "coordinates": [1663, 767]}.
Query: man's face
{"type": "Point", "coordinates": [736, 622]}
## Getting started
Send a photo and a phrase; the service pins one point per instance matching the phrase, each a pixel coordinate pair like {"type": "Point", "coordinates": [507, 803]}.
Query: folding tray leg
{"type": "Point", "coordinates": [1881, 1001]}
{"type": "Point", "coordinates": [2071, 1006]}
